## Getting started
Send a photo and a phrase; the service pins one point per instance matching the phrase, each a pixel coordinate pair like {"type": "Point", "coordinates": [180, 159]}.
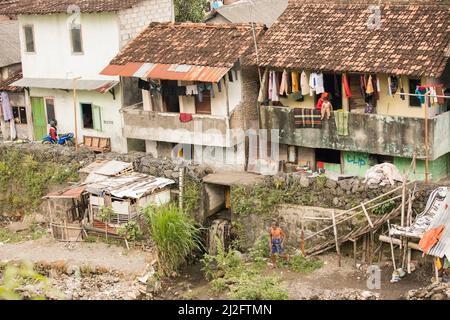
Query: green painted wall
{"type": "Point", "coordinates": [357, 163]}
{"type": "Point", "coordinates": [439, 168]}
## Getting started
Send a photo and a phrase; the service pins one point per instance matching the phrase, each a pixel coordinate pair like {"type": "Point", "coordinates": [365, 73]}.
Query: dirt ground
{"type": "Point", "coordinates": [328, 282]}
{"type": "Point", "coordinates": [96, 254]}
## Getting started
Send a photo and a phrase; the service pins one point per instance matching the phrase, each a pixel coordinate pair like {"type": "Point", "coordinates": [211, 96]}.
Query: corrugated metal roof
{"type": "Point", "coordinates": [72, 193]}
{"type": "Point", "coordinates": [99, 170]}
{"type": "Point", "coordinates": [133, 185]}
{"type": "Point", "coordinates": [167, 71]}
{"type": "Point", "coordinates": [101, 86]}
{"type": "Point", "coordinates": [6, 85]}
{"type": "Point", "coordinates": [442, 247]}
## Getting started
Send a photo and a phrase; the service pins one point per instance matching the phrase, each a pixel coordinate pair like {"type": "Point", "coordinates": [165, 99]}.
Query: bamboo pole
{"type": "Point", "coordinates": [75, 117]}
{"type": "Point", "coordinates": [426, 137]}
{"type": "Point", "coordinates": [392, 246]}
{"type": "Point", "coordinates": [338, 250]}
{"type": "Point", "coordinates": [367, 215]}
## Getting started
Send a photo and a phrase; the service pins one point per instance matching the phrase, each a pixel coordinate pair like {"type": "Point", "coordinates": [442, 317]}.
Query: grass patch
{"type": "Point", "coordinates": [174, 234]}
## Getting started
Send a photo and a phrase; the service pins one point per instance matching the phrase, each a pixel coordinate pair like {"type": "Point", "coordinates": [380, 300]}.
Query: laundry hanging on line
{"type": "Point", "coordinates": [6, 106]}
{"type": "Point", "coordinates": [307, 118]}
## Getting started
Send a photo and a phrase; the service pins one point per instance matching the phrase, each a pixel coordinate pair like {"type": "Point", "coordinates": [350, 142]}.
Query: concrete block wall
{"type": "Point", "coordinates": [134, 20]}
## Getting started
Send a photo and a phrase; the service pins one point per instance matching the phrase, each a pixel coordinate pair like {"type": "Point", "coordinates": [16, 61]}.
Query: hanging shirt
{"type": "Point", "coordinates": [304, 84]}
{"type": "Point", "coordinates": [421, 91]}
{"type": "Point", "coordinates": [284, 88]}
{"type": "Point", "coordinates": [316, 83]}
{"type": "Point", "coordinates": [6, 107]}
{"type": "Point", "coordinates": [369, 87]}
{"type": "Point", "coordinates": [394, 84]}
{"type": "Point", "coordinates": [294, 79]}
{"type": "Point", "coordinates": [191, 90]}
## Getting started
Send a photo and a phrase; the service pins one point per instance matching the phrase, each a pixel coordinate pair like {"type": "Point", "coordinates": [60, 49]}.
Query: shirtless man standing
{"type": "Point", "coordinates": [276, 242]}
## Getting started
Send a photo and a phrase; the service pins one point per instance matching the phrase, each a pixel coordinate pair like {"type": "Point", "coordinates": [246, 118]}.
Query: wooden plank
{"type": "Point", "coordinates": [367, 215]}
{"type": "Point", "coordinates": [338, 250]}
{"type": "Point", "coordinates": [387, 239]}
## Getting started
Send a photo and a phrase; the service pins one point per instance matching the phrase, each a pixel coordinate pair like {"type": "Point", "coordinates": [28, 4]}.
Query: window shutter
{"type": "Point", "coordinates": [97, 118]}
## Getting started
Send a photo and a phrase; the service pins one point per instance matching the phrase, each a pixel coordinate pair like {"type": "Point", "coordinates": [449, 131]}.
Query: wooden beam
{"type": "Point", "coordinates": [338, 250]}
{"type": "Point", "coordinates": [367, 215]}
{"type": "Point", "coordinates": [387, 239]}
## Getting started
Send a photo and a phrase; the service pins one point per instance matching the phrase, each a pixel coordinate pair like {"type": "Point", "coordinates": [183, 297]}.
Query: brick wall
{"type": "Point", "coordinates": [134, 20]}
{"type": "Point", "coordinates": [245, 115]}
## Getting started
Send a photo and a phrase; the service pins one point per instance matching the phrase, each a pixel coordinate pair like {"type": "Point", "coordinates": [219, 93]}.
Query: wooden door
{"type": "Point", "coordinates": [39, 118]}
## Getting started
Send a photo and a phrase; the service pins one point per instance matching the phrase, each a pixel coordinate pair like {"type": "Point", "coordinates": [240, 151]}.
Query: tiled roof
{"type": "Point", "coordinates": [59, 6]}
{"type": "Point", "coordinates": [5, 85]}
{"type": "Point", "coordinates": [412, 39]}
{"type": "Point", "coordinates": [199, 44]}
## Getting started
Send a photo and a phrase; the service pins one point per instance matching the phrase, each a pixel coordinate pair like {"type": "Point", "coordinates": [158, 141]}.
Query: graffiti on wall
{"type": "Point", "coordinates": [357, 159]}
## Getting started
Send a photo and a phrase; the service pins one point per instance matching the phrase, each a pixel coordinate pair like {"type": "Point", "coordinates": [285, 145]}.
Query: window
{"type": "Point", "coordinates": [50, 107]}
{"type": "Point", "coordinates": [75, 36]}
{"type": "Point", "coordinates": [413, 101]}
{"type": "Point", "coordinates": [20, 115]}
{"type": "Point", "coordinates": [203, 106]}
{"type": "Point", "coordinates": [29, 39]}
{"type": "Point", "coordinates": [91, 116]}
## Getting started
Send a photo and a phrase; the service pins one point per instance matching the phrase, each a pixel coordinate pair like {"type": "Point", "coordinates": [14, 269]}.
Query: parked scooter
{"type": "Point", "coordinates": [63, 140]}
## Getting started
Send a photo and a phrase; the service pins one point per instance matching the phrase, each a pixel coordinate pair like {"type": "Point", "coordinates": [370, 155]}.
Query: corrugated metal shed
{"type": "Point", "coordinates": [167, 71]}
{"type": "Point", "coordinates": [99, 170]}
{"type": "Point", "coordinates": [72, 193]}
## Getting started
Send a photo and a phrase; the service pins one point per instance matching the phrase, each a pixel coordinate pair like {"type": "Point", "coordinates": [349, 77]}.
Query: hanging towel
{"type": "Point", "coordinates": [284, 84]}
{"type": "Point", "coordinates": [185, 117]}
{"type": "Point", "coordinates": [369, 87]}
{"type": "Point", "coordinates": [307, 118]}
{"type": "Point", "coordinates": [346, 86]}
{"type": "Point", "coordinates": [270, 91]}
{"type": "Point", "coordinates": [6, 107]}
{"type": "Point", "coordinates": [294, 79]}
{"type": "Point", "coordinates": [275, 87]}
{"type": "Point", "coordinates": [389, 88]}
{"type": "Point", "coordinates": [341, 119]}
{"type": "Point", "coordinates": [440, 93]}
{"type": "Point", "coordinates": [264, 87]}
{"type": "Point", "coordinates": [304, 84]}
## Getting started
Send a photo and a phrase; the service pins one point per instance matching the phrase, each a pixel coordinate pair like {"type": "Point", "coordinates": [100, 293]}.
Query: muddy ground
{"type": "Point", "coordinates": [115, 273]}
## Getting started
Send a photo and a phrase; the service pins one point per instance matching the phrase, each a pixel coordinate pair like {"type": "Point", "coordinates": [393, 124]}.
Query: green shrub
{"type": "Point", "coordinates": [301, 264]}
{"type": "Point", "coordinates": [174, 234]}
{"type": "Point", "coordinates": [264, 288]}
{"type": "Point", "coordinates": [192, 195]}
{"type": "Point", "coordinates": [131, 231]}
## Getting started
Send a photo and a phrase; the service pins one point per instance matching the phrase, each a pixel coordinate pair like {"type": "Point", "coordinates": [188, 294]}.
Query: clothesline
{"type": "Point", "coordinates": [420, 95]}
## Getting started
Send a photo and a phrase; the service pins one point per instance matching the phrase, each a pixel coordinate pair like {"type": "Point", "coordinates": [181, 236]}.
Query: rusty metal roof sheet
{"type": "Point", "coordinates": [167, 71]}
{"type": "Point", "coordinates": [7, 84]}
{"type": "Point", "coordinates": [101, 86]}
{"type": "Point", "coordinates": [72, 193]}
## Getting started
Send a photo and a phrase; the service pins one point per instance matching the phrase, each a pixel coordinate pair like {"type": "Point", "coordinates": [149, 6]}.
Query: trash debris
{"type": "Point", "coordinates": [383, 174]}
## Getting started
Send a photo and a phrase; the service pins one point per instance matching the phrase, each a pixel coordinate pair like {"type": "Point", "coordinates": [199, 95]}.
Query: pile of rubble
{"type": "Point", "coordinates": [435, 291]}
{"type": "Point", "coordinates": [344, 294]}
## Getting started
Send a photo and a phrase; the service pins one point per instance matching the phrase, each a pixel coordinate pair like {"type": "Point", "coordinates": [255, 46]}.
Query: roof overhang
{"type": "Point", "coordinates": [101, 86]}
{"type": "Point", "coordinates": [180, 72]}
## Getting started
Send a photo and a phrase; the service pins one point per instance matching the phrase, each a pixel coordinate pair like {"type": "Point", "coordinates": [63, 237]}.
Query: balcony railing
{"type": "Point", "coordinates": [205, 130]}
{"type": "Point", "coordinates": [370, 133]}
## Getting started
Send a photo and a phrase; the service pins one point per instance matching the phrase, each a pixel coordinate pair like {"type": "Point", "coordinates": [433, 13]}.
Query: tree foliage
{"type": "Point", "coordinates": [190, 10]}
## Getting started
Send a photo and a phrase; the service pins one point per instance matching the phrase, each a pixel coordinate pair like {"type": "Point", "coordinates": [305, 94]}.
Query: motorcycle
{"type": "Point", "coordinates": [63, 140]}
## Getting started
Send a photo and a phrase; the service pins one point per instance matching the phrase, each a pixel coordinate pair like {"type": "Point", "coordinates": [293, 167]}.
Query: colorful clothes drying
{"type": "Point", "coordinates": [316, 83]}
{"type": "Point", "coordinates": [346, 86]}
{"type": "Point", "coordinates": [185, 117]}
{"type": "Point", "coordinates": [304, 84]}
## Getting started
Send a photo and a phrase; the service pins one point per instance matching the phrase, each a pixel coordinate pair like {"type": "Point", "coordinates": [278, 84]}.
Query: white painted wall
{"type": "Point", "coordinates": [54, 58]}
{"type": "Point", "coordinates": [112, 121]}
